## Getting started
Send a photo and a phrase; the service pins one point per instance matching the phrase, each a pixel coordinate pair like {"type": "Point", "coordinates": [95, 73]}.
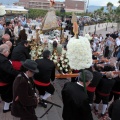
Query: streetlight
{"type": "Point", "coordinates": [87, 6]}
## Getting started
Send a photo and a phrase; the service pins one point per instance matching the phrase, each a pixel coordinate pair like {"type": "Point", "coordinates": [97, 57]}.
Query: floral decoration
{"type": "Point", "coordinates": [79, 53]}
{"type": "Point", "coordinates": [88, 36]}
{"type": "Point", "coordinates": [63, 64]}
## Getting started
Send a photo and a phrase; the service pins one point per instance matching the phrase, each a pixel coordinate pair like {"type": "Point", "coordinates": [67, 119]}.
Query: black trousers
{"type": "Point", "coordinates": [90, 96]}
{"type": "Point", "coordinates": [116, 96]}
{"type": "Point", "coordinates": [6, 93]}
{"type": "Point", "coordinates": [99, 98]}
{"type": "Point", "coordinates": [42, 89]}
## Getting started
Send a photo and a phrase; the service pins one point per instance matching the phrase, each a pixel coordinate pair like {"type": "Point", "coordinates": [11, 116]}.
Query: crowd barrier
{"type": "Point", "coordinates": [91, 28]}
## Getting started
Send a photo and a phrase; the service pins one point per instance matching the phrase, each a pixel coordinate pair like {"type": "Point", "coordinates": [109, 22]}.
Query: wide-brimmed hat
{"type": "Point", "coordinates": [30, 65]}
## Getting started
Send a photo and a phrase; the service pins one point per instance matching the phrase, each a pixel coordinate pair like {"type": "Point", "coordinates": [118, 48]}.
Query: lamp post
{"type": "Point", "coordinates": [87, 6]}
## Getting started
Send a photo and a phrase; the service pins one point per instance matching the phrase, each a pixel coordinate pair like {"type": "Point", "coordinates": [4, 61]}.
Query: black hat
{"type": "Point", "coordinates": [30, 65]}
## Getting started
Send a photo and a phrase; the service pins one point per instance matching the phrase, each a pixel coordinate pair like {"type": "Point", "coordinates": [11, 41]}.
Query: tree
{"type": "Point", "coordinates": [109, 6]}
{"type": "Point", "coordinates": [119, 2]}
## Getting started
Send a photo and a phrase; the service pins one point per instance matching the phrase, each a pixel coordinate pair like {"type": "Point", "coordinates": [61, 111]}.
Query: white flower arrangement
{"type": "Point", "coordinates": [33, 54]}
{"type": "Point", "coordinates": [62, 65]}
{"type": "Point", "coordinates": [54, 57]}
{"type": "Point", "coordinates": [88, 36]}
{"type": "Point", "coordinates": [79, 53]}
{"type": "Point", "coordinates": [36, 52]}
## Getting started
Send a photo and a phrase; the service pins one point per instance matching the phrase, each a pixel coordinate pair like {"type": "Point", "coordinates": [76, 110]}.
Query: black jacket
{"type": "Point", "coordinates": [96, 79]}
{"type": "Point", "coordinates": [20, 53]}
{"type": "Point", "coordinates": [26, 102]}
{"type": "Point", "coordinates": [46, 70]}
{"type": "Point", "coordinates": [7, 31]}
{"type": "Point", "coordinates": [116, 86]}
{"type": "Point", "coordinates": [114, 110]}
{"type": "Point", "coordinates": [7, 73]}
{"type": "Point", "coordinates": [105, 85]}
{"type": "Point", "coordinates": [75, 103]}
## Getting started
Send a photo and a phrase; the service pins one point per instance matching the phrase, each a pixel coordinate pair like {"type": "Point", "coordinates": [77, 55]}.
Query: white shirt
{"type": "Point", "coordinates": [80, 84]}
{"type": "Point", "coordinates": [26, 75]}
{"type": "Point", "coordinates": [118, 42]}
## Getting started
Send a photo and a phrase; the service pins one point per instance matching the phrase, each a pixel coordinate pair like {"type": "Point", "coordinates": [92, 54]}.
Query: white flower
{"type": "Point", "coordinates": [54, 53]}
{"type": "Point", "coordinates": [66, 60]}
{"type": "Point", "coordinates": [39, 53]}
{"type": "Point", "coordinates": [55, 61]}
{"type": "Point", "coordinates": [79, 53]}
{"type": "Point", "coordinates": [58, 65]}
{"type": "Point", "coordinates": [62, 62]}
{"type": "Point", "coordinates": [66, 66]}
{"type": "Point", "coordinates": [55, 57]}
{"type": "Point", "coordinates": [61, 68]}
{"type": "Point", "coordinates": [41, 57]}
{"type": "Point", "coordinates": [61, 58]}
{"type": "Point", "coordinates": [66, 70]}
{"type": "Point", "coordinates": [88, 36]}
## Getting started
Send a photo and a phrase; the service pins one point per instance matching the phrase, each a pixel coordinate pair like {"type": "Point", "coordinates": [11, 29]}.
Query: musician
{"type": "Point", "coordinates": [75, 100]}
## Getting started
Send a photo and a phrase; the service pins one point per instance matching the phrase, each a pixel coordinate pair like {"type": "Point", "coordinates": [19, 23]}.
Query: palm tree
{"type": "Point", "coordinates": [109, 6]}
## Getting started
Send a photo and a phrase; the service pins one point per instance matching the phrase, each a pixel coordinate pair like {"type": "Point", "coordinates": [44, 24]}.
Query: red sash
{"type": "Point", "coordinates": [16, 65]}
{"type": "Point", "coordinates": [102, 94]}
{"type": "Point", "coordinates": [91, 89]}
{"type": "Point", "coordinates": [2, 84]}
{"type": "Point", "coordinates": [116, 92]}
{"type": "Point", "coordinates": [41, 83]}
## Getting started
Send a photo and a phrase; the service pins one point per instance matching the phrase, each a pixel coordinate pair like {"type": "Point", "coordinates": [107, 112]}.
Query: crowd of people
{"type": "Point", "coordinates": [20, 76]}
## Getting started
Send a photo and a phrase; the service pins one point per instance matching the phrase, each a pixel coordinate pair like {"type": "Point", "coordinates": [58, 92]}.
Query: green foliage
{"type": "Point", "coordinates": [34, 13]}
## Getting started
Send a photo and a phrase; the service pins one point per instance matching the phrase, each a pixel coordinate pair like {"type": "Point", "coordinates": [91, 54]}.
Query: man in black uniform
{"type": "Point", "coordinates": [75, 100]}
{"type": "Point", "coordinates": [21, 52]}
{"type": "Point", "coordinates": [46, 73]}
{"type": "Point", "coordinates": [7, 76]}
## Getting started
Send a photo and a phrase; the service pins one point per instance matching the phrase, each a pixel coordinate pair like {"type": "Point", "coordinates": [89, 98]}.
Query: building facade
{"type": "Point", "coordinates": [44, 4]}
{"type": "Point", "coordinates": [24, 3]}
{"type": "Point", "coordinates": [70, 5]}
{"type": "Point", "coordinates": [75, 5]}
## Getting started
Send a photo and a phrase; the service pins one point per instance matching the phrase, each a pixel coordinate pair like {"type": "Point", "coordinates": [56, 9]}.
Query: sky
{"type": "Point", "coordinates": [100, 2]}
{"type": "Point", "coordinates": [91, 2]}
